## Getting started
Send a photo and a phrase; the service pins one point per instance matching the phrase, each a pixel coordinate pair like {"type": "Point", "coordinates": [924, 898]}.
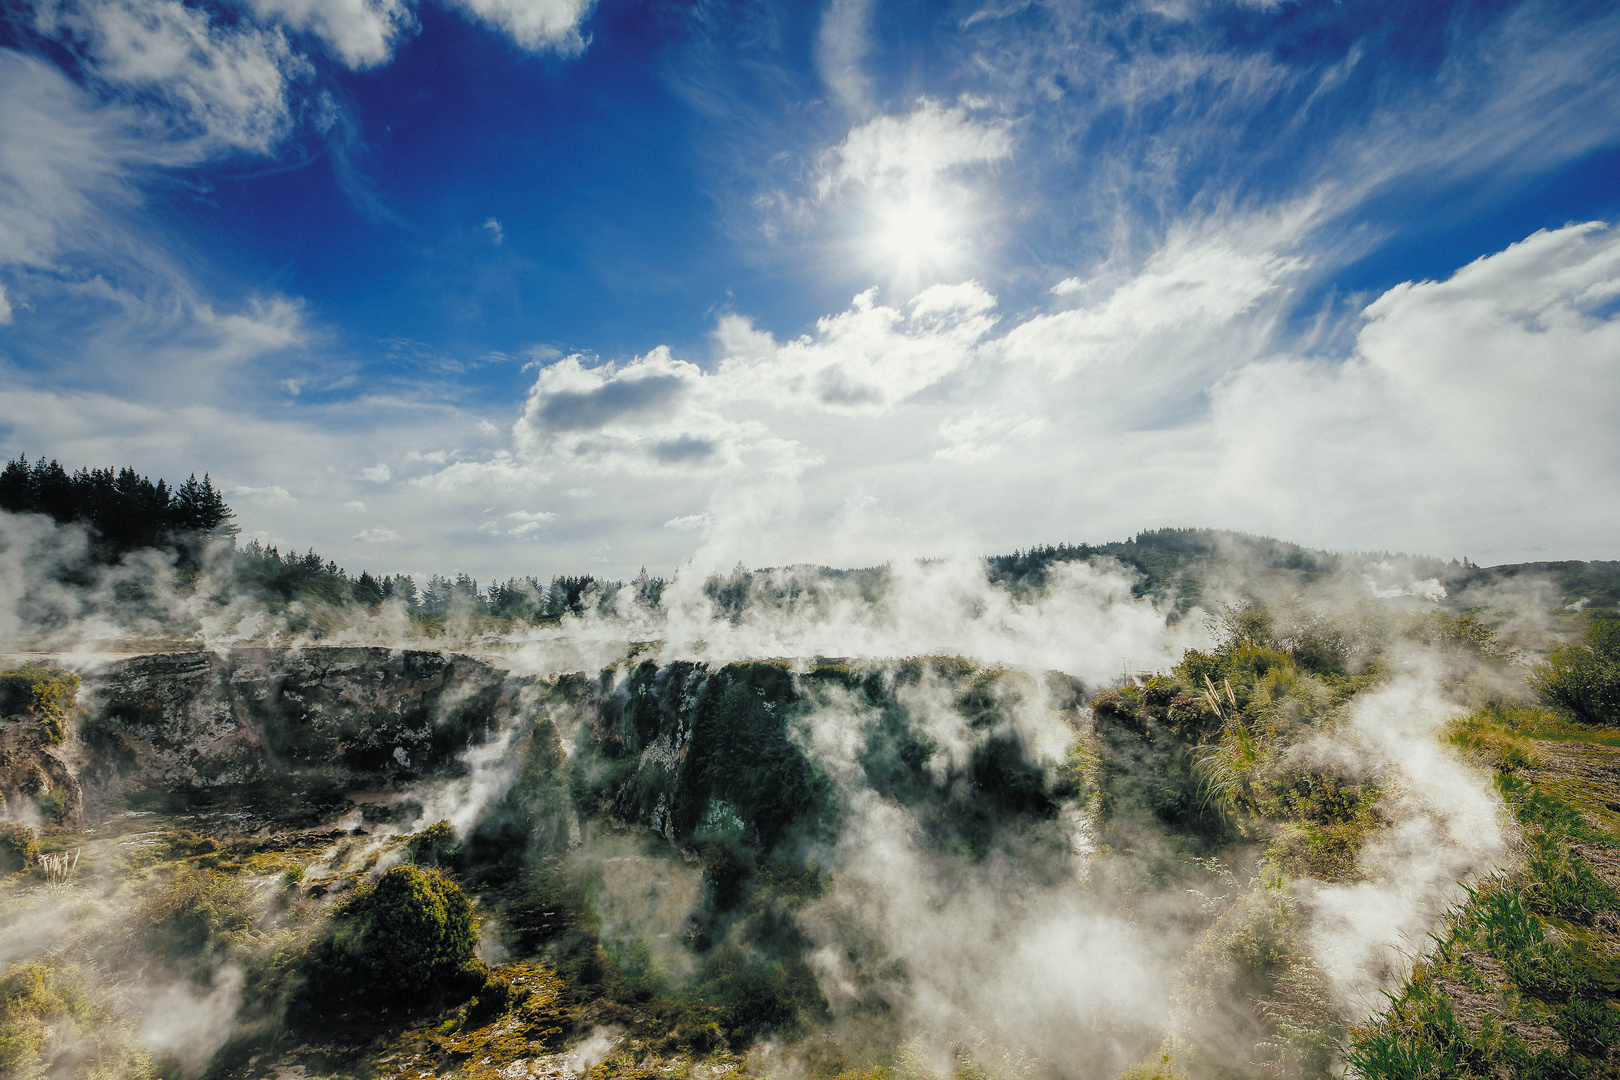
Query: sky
{"type": "Point", "coordinates": [514, 287]}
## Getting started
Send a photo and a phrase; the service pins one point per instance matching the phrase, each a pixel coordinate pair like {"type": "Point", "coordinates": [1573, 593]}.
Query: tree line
{"type": "Point", "coordinates": [125, 511]}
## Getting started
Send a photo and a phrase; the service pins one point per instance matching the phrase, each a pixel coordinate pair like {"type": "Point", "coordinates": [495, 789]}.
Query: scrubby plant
{"type": "Point", "coordinates": [1246, 624]}
{"type": "Point", "coordinates": [19, 847]}
{"type": "Point", "coordinates": [1583, 679]}
{"type": "Point", "coordinates": [45, 694]}
{"type": "Point", "coordinates": [1463, 633]}
{"type": "Point", "coordinates": [411, 932]}
{"type": "Point", "coordinates": [52, 1024]}
{"type": "Point", "coordinates": [435, 846]}
{"type": "Point", "coordinates": [195, 910]}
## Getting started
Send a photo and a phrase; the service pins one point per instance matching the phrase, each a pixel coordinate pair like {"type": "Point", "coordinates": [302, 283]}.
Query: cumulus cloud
{"type": "Point", "coordinates": [536, 25]}
{"type": "Point", "coordinates": [1478, 404]}
{"type": "Point", "coordinates": [863, 360]}
{"type": "Point", "coordinates": [653, 411]}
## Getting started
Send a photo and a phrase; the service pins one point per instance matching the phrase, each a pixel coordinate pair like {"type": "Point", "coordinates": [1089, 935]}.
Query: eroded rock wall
{"type": "Point", "coordinates": [175, 729]}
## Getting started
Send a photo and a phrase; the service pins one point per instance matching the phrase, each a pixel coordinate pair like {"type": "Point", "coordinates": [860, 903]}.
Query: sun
{"type": "Point", "coordinates": [917, 231]}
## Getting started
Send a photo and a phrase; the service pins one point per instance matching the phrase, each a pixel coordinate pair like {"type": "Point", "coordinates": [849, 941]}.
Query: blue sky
{"type": "Point", "coordinates": [540, 286]}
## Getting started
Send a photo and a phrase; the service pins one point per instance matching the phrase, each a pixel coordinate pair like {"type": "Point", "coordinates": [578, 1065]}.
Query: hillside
{"type": "Point", "coordinates": [1195, 804]}
{"type": "Point", "coordinates": [687, 869]}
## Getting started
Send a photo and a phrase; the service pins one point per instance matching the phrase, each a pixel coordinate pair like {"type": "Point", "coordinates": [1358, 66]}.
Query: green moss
{"type": "Point", "coordinates": [411, 932]}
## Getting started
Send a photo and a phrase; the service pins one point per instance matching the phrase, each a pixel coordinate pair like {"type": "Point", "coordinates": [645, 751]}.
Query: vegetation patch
{"type": "Point", "coordinates": [1525, 977]}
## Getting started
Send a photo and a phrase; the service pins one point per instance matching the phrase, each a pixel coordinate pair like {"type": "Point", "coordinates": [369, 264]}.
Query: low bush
{"type": "Point", "coordinates": [1584, 679]}
{"type": "Point", "coordinates": [19, 847]}
{"type": "Point", "coordinates": [411, 933]}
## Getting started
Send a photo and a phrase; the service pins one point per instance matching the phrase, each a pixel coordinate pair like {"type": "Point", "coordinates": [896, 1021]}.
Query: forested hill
{"type": "Point", "coordinates": [125, 511]}
{"type": "Point", "coordinates": [1179, 560]}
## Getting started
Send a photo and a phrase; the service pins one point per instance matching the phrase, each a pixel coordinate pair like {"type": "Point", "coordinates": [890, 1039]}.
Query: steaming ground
{"type": "Point", "coordinates": [1059, 946]}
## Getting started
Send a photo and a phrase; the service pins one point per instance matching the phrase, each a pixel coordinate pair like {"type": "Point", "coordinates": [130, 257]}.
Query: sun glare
{"type": "Point", "coordinates": [917, 233]}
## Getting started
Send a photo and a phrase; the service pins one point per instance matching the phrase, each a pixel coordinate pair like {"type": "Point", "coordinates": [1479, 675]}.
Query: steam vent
{"type": "Point", "coordinates": [809, 540]}
{"type": "Point", "coordinates": [1315, 836]}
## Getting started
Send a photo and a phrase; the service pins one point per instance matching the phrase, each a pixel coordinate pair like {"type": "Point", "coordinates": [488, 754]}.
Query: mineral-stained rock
{"type": "Point", "coordinates": [289, 725]}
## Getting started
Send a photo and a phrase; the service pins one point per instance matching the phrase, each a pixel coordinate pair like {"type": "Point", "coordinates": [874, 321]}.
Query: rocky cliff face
{"type": "Point", "coordinates": [36, 784]}
{"type": "Point", "coordinates": [280, 728]}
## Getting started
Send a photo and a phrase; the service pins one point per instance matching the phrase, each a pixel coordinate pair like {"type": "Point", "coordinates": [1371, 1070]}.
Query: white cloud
{"type": "Point", "coordinates": [536, 25]}
{"type": "Point", "coordinates": [376, 536]}
{"type": "Point", "coordinates": [361, 33]}
{"type": "Point", "coordinates": [688, 522]}
{"type": "Point", "coordinates": [863, 360]}
{"type": "Point", "coordinates": [496, 233]}
{"type": "Point", "coordinates": [65, 166]}
{"type": "Point", "coordinates": [1192, 285]}
{"type": "Point", "coordinates": [842, 43]}
{"type": "Point", "coordinates": [5, 307]}
{"type": "Point", "coordinates": [225, 83]}
{"type": "Point", "coordinates": [980, 435]}
{"type": "Point", "coordinates": [377, 474]}
{"type": "Point", "coordinates": [428, 457]}
{"type": "Point", "coordinates": [270, 495]}
{"type": "Point", "coordinates": [916, 148]}
{"type": "Point", "coordinates": [518, 523]}
{"type": "Point", "coordinates": [1482, 405]}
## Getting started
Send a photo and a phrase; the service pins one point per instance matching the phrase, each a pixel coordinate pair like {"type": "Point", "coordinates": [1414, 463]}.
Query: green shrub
{"type": "Point", "coordinates": [412, 931]}
{"type": "Point", "coordinates": [1247, 624]}
{"type": "Point", "coordinates": [195, 910]}
{"type": "Point", "coordinates": [19, 847]}
{"type": "Point", "coordinates": [1584, 679]}
{"type": "Point", "coordinates": [1197, 666]}
{"type": "Point", "coordinates": [44, 693]}
{"type": "Point", "coordinates": [435, 846]}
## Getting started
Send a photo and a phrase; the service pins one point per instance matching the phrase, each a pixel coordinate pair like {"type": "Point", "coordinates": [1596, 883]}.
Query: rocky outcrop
{"type": "Point", "coordinates": [284, 726]}
{"type": "Point", "coordinates": [36, 786]}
